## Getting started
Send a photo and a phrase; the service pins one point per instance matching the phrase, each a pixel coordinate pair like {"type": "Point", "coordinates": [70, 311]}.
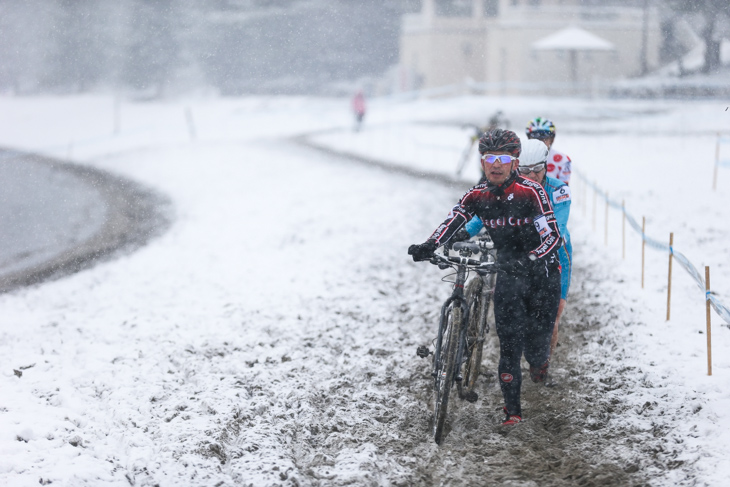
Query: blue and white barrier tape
{"type": "Point", "coordinates": [718, 306]}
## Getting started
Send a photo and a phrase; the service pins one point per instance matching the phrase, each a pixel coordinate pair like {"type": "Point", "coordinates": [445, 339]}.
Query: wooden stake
{"type": "Point", "coordinates": [709, 331]}
{"type": "Point", "coordinates": [717, 163]}
{"type": "Point", "coordinates": [643, 247]}
{"type": "Point", "coordinates": [605, 238]}
{"type": "Point", "coordinates": [669, 281]}
{"type": "Point", "coordinates": [623, 230]}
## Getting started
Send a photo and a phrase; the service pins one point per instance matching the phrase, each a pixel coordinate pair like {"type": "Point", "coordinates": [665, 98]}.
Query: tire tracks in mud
{"type": "Point", "coordinates": [349, 424]}
{"type": "Point", "coordinates": [357, 410]}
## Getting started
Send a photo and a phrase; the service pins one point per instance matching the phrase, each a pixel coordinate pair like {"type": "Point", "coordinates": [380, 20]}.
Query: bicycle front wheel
{"type": "Point", "coordinates": [446, 365]}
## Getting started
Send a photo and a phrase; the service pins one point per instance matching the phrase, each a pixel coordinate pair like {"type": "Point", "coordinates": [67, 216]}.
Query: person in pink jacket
{"type": "Point", "coordinates": [358, 107]}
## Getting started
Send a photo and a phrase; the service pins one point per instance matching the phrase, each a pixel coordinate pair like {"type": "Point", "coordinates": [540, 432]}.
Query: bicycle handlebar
{"type": "Point", "coordinates": [440, 259]}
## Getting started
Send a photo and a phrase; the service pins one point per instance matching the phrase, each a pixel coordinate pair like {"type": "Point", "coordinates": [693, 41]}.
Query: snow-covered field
{"type": "Point", "coordinates": [267, 338]}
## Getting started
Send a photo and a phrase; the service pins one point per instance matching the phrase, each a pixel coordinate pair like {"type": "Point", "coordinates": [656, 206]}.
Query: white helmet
{"type": "Point", "coordinates": [534, 151]}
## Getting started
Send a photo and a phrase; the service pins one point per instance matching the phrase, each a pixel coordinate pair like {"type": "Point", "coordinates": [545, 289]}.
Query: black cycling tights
{"type": "Point", "coordinates": [525, 308]}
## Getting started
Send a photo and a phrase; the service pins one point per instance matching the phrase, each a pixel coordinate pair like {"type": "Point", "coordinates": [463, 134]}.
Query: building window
{"type": "Point", "coordinates": [453, 8]}
{"type": "Point", "coordinates": [491, 8]}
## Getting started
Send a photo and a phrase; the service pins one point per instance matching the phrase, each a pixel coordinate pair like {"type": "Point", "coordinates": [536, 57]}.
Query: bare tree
{"type": "Point", "coordinates": [713, 14]}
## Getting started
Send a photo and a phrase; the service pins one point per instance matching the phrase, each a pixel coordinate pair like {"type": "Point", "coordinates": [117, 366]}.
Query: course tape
{"type": "Point", "coordinates": [717, 305]}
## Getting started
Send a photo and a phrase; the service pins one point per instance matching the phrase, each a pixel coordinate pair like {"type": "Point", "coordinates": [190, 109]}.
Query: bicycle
{"type": "Point", "coordinates": [454, 347]}
{"type": "Point", "coordinates": [480, 298]}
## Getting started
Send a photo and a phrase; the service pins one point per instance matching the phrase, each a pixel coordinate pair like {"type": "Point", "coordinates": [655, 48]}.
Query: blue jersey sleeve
{"type": "Point", "coordinates": [566, 263]}
{"type": "Point", "coordinates": [560, 197]}
{"type": "Point", "coordinates": [474, 225]}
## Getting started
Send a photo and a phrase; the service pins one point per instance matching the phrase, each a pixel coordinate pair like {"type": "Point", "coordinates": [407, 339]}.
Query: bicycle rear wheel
{"type": "Point", "coordinates": [473, 346]}
{"type": "Point", "coordinates": [445, 373]}
{"type": "Point", "coordinates": [476, 330]}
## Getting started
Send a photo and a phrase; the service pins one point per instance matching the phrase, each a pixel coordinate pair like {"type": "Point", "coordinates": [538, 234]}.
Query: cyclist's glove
{"type": "Point", "coordinates": [460, 236]}
{"type": "Point", "coordinates": [422, 251]}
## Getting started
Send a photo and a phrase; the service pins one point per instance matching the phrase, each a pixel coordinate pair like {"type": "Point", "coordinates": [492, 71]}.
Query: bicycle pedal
{"type": "Point", "coordinates": [423, 352]}
{"type": "Point", "coordinates": [471, 396]}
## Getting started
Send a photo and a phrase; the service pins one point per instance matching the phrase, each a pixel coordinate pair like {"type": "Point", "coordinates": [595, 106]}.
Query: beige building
{"type": "Point", "coordinates": [494, 43]}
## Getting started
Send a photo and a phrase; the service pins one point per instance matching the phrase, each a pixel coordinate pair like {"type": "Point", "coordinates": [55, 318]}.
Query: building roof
{"type": "Point", "coordinates": [573, 38]}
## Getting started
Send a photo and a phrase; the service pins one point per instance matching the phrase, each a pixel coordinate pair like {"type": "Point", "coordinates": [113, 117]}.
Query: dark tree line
{"type": "Point", "coordinates": [287, 46]}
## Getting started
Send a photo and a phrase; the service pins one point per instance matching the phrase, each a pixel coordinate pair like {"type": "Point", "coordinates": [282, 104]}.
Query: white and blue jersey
{"type": "Point", "coordinates": [560, 198]}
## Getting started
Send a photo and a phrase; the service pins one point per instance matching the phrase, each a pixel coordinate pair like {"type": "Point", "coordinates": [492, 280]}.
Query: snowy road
{"type": "Point", "coordinates": [268, 338]}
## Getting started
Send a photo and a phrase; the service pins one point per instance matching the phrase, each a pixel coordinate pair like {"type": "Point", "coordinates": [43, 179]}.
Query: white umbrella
{"type": "Point", "coordinates": [573, 39]}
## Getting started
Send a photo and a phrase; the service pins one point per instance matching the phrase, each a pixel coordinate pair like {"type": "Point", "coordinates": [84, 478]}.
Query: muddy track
{"type": "Point", "coordinates": [352, 425]}
{"type": "Point", "coordinates": [134, 214]}
{"type": "Point", "coordinates": [350, 403]}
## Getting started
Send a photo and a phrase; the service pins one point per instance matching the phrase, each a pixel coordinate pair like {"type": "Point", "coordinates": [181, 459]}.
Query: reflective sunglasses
{"type": "Point", "coordinates": [491, 159]}
{"type": "Point", "coordinates": [537, 168]}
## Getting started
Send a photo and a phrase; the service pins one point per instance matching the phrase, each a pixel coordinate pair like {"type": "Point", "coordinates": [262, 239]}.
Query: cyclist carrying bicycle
{"type": "Point", "coordinates": [533, 165]}
{"type": "Point", "coordinates": [522, 225]}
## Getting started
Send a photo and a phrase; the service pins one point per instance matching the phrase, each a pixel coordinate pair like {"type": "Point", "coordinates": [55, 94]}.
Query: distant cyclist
{"type": "Point", "coordinates": [533, 165]}
{"type": "Point", "coordinates": [558, 163]}
{"type": "Point", "coordinates": [496, 121]}
{"type": "Point", "coordinates": [522, 225]}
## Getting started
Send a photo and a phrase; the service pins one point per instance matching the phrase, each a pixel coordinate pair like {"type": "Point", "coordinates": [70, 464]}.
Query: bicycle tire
{"type": "Point", "coordinates": [473, 347]}
{"type": "Point", "coordinates": [445, 376]}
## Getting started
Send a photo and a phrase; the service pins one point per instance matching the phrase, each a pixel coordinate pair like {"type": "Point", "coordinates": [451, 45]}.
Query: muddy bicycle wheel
{"type": "Point", "coordinates": [476, 331]}
{"type": "Point", "coordinates": [474, 347]}
{"type": "Point", "coordinates": [445, 373]}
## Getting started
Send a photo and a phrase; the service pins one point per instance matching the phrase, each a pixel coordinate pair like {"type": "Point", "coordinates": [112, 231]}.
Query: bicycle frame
{"type": "Point", "coordinates": [462, 264]}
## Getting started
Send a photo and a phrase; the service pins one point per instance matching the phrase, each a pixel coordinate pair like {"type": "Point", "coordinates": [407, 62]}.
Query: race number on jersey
{"type": "Point", "coordinates": [542, 226]}
{"type": "Point", "coordinates": [561, 194]}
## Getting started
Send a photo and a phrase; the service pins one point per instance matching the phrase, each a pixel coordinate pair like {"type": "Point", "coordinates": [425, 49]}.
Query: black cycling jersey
{"type": "Point", "coordinates": [517, 214]}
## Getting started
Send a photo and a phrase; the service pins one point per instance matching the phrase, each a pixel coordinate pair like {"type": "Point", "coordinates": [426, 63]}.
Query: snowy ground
{"type": "Point", "coordinates": [267, 338]}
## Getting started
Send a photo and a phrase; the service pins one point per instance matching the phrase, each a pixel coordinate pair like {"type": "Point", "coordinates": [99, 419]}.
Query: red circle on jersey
{"type": "Point", "coordinates": [551, 167]}
{"type": "Point", "coordinates": [557, 158]}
